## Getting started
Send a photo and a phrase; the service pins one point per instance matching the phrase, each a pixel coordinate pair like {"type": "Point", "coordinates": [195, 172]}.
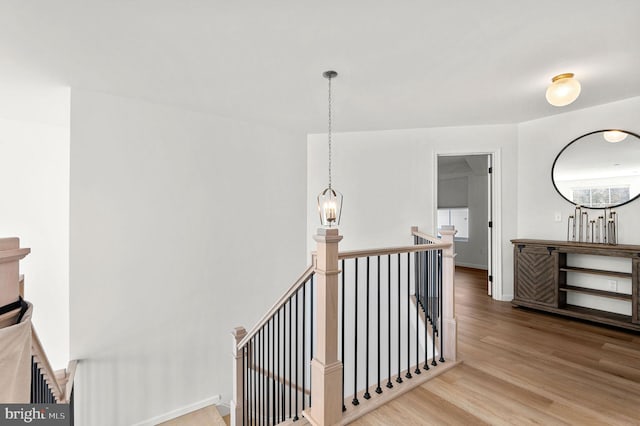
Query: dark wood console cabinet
{"type": "Point", "coordinates": [540, 279]}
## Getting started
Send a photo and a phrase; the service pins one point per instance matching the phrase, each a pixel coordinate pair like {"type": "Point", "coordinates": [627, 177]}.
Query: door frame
{"type": "Point", "coordinates": [496, 202]}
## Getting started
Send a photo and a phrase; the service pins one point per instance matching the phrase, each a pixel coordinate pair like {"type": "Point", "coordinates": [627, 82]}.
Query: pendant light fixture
{"type": "Point", "coordinates": [330, 200]}
{"type": "Point", "coordinates": [614, 136]}
{"type": "Point", "coordinates": [563, 90]}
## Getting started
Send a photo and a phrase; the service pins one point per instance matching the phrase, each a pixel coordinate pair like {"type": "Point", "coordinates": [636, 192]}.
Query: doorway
{"type": "Point", "coordinates": [465, 200]}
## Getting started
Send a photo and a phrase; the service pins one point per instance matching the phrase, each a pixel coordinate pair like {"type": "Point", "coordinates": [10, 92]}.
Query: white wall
{"type": "Point", "coordinates": [387, 179]}
{"type": "Point", "coordinates": [539, 142]}
{"type": "Point", "coordinates": [183, 226]}
{"type": "Point", "coordinates": [34, 171]}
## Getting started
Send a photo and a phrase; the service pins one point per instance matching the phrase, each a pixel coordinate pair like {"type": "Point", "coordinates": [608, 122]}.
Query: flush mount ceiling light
{"type": "Point", "coordinates": [614, 136]}
{"type": "Point", "coordinates": [330, 200]}
{"type": "Point", "coordinates": [563, 90]}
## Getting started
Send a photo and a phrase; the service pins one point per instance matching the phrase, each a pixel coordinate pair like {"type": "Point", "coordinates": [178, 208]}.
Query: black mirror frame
{"type": "Point", "coordinates": [567, 146]}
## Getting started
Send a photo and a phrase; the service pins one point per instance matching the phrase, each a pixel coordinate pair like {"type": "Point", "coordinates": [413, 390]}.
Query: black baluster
{"type": "Point", "coordinates": [378, 389]}
{"type": "Point", "coordinates": [244, 387]}
{"type": "Point", "coordinates": [281, 359]}
{"type": "Point", "coordinates": [344, 408]}
{"type": "Point", "coordinates": [389, 384]}
{"type": "Point", "coordinates": [304, 341]}
{"type": "Point", "coordinates": [252, 369]}
{"type": "Point", "coordinates": [252, 377]}
{"type": "Point", "coordinates": [440, 313]}
{"type": "Point", "coordinates": [295, 417]}
{"type": "Point", "coordinates": [33, 387]}
{"type": "Point", "coordinates": [355, 346]}
{"type": "Point", "coordinates": [259, 376]}
{"type": "Point", "coordinates": [276, 372]}
{"type": "Point", "coordinates": [283, 364]}
{"type": "Point", "coordinates": [247, 404]}
{"type": "Point", "coordinates": [427, 294]}
{"type": "Point", "coordinates": [36, 382]}
{"type": "Point", "coordinates": [367, 395]}
{"type": "Point", "coordinates": [417, 284]}
{"type": "Point", "coordinates": [311, 335]}
{"type": "Point", "coordinates": [268, 370]}
{"type": "Point", "coordinates": [408, 375]}
{"type": "Point", "coordinates": [256, 379]}
{"type": "Point", "coordinates": [427, 278]}
{"type": "Point", "coordinates": [255, 349]}
{"type": "Point", "coordinates": [434, 309]}
{"type": "Point", "coordinates": [434, 321]}
{"type": "Point", "coordinates": [399, 378]}
{"type": "Point", "coordinates": [290, 360]}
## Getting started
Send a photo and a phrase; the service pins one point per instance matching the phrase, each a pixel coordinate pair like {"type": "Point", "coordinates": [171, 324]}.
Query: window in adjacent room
{"type": "Point", "coordinates": [458, 217]}
{"type": "Point", "coordinates": [601, 196]}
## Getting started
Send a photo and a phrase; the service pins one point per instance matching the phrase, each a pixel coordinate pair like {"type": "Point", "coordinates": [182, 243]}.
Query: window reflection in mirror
{"type": "Point", "coordinates": [600, 169]}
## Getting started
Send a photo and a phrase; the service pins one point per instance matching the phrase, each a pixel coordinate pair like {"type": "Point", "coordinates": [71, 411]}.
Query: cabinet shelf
{"type": "Point", "coordinates": [587, 314]}
{"type": "Point", "coordinates": [596, 272]}
{"type": "Point", "coordinates": [541, 279]}
{"type": "Point", "coordinates": [595, 292]}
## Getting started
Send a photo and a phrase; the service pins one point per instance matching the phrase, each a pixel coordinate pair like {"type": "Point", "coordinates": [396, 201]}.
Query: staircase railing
{"type": "Point", "coordinates": [374, 325]}
{"type": "Point", "coordinates": [271, 362]}
{"type": "Point", "coordinates": [46, 385]}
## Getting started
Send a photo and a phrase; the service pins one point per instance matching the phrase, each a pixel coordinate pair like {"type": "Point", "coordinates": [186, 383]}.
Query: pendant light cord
{"type": "Point", "coordinates": [329, 133]}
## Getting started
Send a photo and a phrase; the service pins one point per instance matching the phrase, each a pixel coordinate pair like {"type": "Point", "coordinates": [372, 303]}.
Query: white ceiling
{"type": "Point", "coordinates": [402, 64]}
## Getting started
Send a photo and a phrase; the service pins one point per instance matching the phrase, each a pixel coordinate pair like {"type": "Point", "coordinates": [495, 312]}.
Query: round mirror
{"type": "Point", "coordinates": [600, 169]}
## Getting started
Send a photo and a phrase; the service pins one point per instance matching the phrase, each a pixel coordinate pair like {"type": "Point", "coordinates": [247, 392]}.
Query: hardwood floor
{"type": "Point", "coordinates": [524, 367]}
{"type": "Point", "coordinates": [205, 416]}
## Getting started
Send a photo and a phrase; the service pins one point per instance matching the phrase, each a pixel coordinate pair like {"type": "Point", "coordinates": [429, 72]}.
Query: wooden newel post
{"type": "Point", "coordinates": [237, 403]}
{"type": "Point", "coordinates": [449, 325]}
{"type": "Point", "coordinates": [10, 255]}
{"type": "Point", "coordinates": [326, 369]}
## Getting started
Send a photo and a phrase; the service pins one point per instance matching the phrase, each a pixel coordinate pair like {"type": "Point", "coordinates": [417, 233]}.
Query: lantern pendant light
{"type": "Point", "coordinates": [330, 200]}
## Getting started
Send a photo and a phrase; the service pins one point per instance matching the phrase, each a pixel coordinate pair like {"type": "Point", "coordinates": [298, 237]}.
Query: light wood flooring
{"type": "Point", "coordinates": [524, 367]}
{"type": "Point", "coordinates": [204, 416]}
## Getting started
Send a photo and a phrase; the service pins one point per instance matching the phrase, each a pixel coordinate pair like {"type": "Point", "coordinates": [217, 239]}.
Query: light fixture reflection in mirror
{"type": "Point", "coordinates": [593, 172]}
{"type": "Point", "coordinates": [614, 136]}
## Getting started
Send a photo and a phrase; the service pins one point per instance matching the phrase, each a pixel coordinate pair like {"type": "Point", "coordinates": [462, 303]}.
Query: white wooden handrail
{"type": "Point", "coordinates": [416, 233]}
{"type": "Point", "coordinates": [70, 377]}
{"type": "Point", "coordinates": [391, 250]}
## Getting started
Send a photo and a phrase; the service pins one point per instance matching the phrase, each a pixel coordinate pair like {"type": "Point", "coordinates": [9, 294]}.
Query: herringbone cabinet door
{"type": "Point", "coordinates": [536, 277]}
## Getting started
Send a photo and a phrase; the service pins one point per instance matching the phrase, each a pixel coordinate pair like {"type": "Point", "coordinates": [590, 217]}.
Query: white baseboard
{"type": "Point", "coordinates": [506, 298]}
{"type": "Point", "coordinates": [180, 411]}
{"type": "Point", "coordinates": [223, 409]}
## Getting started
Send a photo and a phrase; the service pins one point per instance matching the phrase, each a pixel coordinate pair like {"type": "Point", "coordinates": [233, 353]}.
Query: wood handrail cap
{"type": "Point", "coordinates": [327, 235]}
{"type": "Point", "coordinates": [13, 254]}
